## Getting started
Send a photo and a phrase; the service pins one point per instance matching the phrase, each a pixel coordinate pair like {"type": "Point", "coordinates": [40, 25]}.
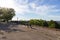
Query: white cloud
{"type": "Point", "coordinates": [56, 18]}
{"type": "Point", "coordinates": [22, 7]}
{"type": "Point", "coordinates": [18, 18]}
{"type": "Point", "coordinates": [7, 3]}
{"type": "Point", "coordinates": [42, 10]}
{"type": "Point", "coordinates": [22, 2]}
{"type": "Point", "coordinates": [33, 5]}
{"type": "Point", "coordinates": [13, 4]}
{"type": "Point", "coordinates": [55, 10]}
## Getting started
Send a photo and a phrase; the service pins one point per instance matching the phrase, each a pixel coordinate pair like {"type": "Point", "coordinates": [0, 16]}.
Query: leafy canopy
{"type": "Point", "coordinates": [7, 13]}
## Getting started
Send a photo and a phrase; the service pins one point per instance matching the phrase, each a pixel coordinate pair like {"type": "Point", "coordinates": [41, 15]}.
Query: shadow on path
{"type": "Point", "coordinates": [7, 27]}
{"type": "Point", "coordinates": [34, 28]}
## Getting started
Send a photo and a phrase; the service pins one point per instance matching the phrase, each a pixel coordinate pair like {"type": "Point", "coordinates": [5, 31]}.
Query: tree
{"type": "Point", "coordinates": [7, 13]}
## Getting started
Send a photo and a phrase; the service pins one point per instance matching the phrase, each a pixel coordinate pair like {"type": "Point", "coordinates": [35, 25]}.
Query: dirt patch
{"type": "Point", "coordinates": [21, 32]}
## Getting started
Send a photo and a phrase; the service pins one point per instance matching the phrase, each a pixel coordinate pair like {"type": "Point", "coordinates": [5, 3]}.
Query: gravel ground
{"type": "Point", "coordinates": [21, 32]}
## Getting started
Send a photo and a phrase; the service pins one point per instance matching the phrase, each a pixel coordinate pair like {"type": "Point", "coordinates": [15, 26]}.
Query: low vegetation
{"type": "Point", "coordinates": [43, 23]}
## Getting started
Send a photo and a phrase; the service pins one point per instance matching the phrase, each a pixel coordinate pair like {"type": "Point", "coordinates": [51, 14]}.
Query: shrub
{"type": "Point", "coordinates": [31, 22]}
{"type": "Point", "coordinates": [38, 22]}
{"type": "Point", "coordinates": [45, 24]}
{"type": "Point", "coordinates": [57, 25]}
{"type": "Point", "coordinates": [23, 22]}
{"type": "Point", "coordinates": [52, 24]}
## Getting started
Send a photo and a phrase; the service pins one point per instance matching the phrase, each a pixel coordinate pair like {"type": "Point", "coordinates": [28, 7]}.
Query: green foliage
{"type": "Point", "coordinates": [38, 22]}
{"type": "Point", "coordinates": [57, 25]}
{"type": "Point", "coordinates": [34, 22]}
{"type": "Point", "coordinates": [7, 13]}
{"type": "Point", "coordinates": [52, 24]}
{"type": "Point", "coordinates": [45, 23]}
{"type": "Point", "coordinates": [31, 22]}
{"type": "Point", "coordinates": [23, 22]}
{"type": "Point", "coordinates": [41, 22]}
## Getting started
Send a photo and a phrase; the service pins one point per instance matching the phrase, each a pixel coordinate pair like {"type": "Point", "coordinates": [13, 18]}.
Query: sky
{"type": "Point", "coordinates": [34, 9]}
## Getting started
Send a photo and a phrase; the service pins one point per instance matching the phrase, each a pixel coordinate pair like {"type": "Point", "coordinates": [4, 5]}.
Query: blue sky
{"type": "Point", "coordinates": [34, 9]}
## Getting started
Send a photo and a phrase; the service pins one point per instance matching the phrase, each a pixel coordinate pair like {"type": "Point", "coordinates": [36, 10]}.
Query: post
{"type": "Point", "coordinates": [17, 20]}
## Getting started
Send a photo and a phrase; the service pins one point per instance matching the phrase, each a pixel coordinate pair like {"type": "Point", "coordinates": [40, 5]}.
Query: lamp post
{"type": "Point", "coordinates": [17, 18]}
